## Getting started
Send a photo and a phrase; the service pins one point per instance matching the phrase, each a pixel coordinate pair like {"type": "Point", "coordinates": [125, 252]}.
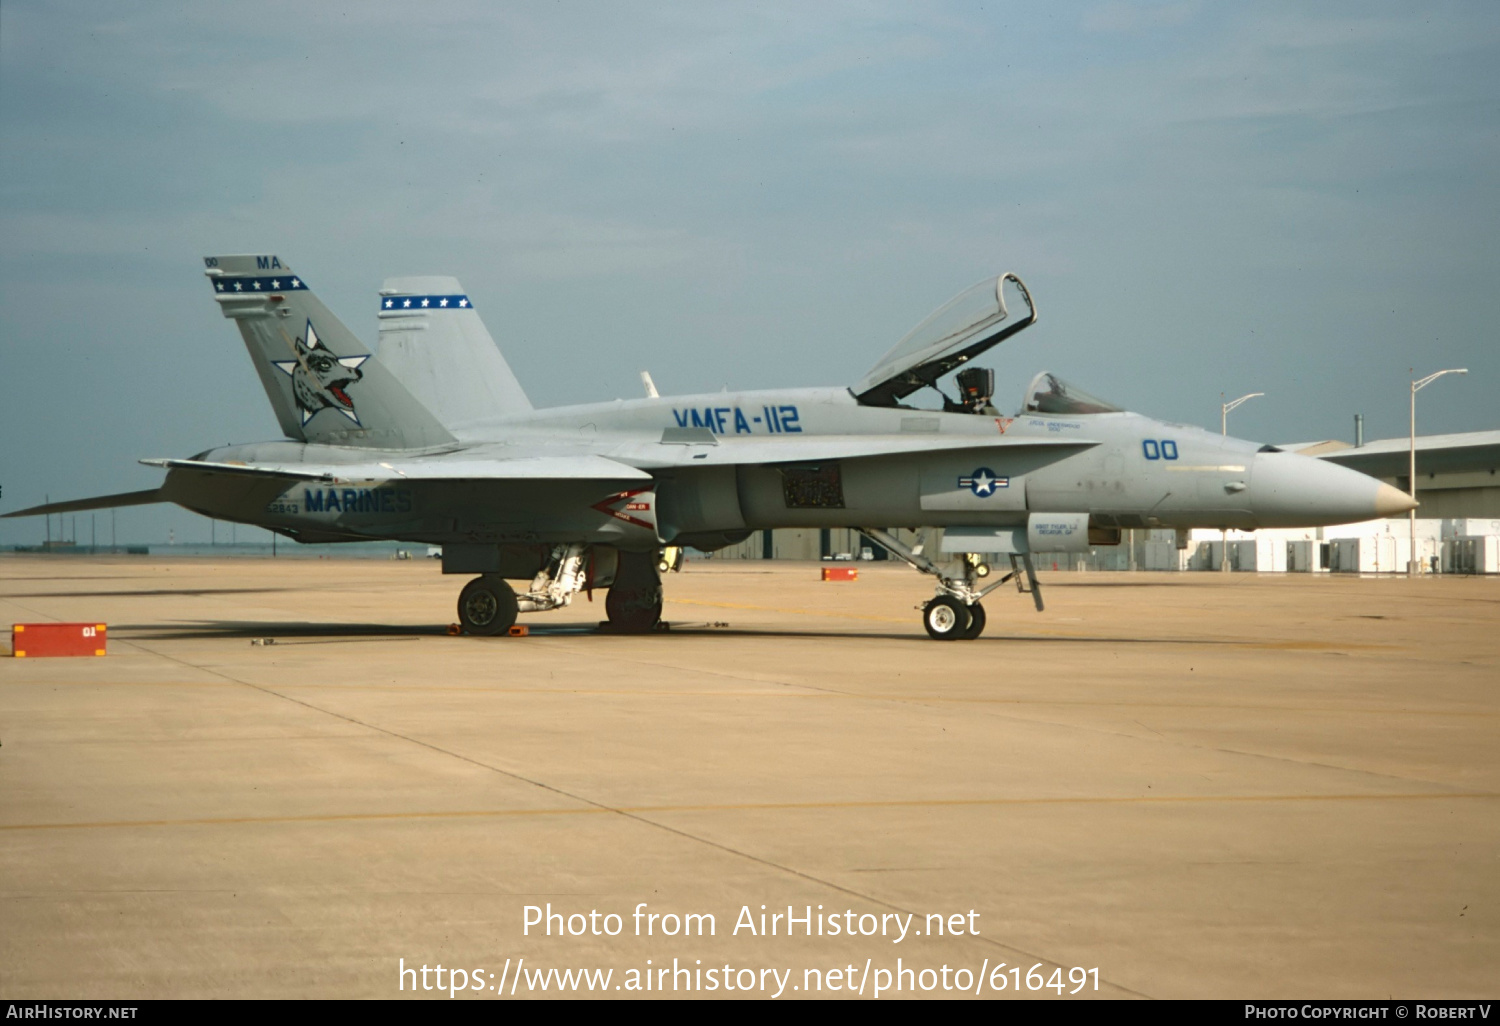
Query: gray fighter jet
{"type": "Point", "coordinates": [434, 441]}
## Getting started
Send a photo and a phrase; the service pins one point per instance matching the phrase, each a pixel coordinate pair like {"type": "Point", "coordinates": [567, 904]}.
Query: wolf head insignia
{"type": "Point", "coordinates": [319, 378]}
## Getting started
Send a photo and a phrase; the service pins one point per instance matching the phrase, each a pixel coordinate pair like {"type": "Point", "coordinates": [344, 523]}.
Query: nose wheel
{"type": "Point", "coordinates": [948, 619]}
{"type": "Point", "coordinates": [976, 623]}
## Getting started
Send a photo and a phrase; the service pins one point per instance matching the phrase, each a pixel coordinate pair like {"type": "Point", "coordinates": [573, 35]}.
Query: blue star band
{"type": "Point", "coordinates": [407, 304]}
{"type": "Point", "coordinates": [276, 283]}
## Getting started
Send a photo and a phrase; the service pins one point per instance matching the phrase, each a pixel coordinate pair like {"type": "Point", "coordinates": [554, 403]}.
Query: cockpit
{"type": "Point", "coordinates": [960, 330]}
{"type": "Point", "coordinates": [948, 340]}
{"type": "Point", "coordinates": [1049, 393]}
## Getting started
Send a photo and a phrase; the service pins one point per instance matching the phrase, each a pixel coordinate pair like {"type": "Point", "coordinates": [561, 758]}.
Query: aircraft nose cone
{"type": "Point", "coordinates": [1390, 502]}
{"type": "Point", "coordinates": [1298, 491]}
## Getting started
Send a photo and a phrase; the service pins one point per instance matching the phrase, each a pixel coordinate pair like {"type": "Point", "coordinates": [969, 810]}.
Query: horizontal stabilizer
{"type": "Point", "coordinates": [150, 495]}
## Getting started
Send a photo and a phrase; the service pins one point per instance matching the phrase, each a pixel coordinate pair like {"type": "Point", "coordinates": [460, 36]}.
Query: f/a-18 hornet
{"type": "Point", "coordinates": [434, 441]}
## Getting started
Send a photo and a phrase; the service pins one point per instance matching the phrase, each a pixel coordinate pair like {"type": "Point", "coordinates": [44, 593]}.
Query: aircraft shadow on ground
{"type": "Point", "coordinates": [681, 632]}
{"type": "Point", "coordinates": [142, 593]}
{"type": "Point", "coordinates": [303, 632]}
{"type": "Point", "coordinates": [289, 630]}
{"type": "Point", "coordinates": [1051, 582]}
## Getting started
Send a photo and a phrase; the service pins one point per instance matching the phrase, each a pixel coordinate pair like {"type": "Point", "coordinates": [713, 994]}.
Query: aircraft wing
{"type": "Point", "coordinates": [628, 466]}
{"type": "Point", "coordinates": [783, 449]}
{"type": "Point", "coordinates": [428, 468]}
{"type": "Point", "coordinates": [581, 467]}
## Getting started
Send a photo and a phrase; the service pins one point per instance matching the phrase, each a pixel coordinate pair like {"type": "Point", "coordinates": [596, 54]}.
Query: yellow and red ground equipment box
{"type": "Point", "coordinates": [56, 639]}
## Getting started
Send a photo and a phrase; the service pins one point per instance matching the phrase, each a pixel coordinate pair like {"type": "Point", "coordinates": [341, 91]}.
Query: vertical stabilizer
{"type": "Point", "coordinates": [320, 379]}
{"type": "Point", "coordinates": [432, 339]}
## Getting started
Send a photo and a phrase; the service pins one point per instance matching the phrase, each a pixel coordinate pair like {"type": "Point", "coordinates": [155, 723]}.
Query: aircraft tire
{"type": "Point", "coordinates": [634, 601]}
{"type": "Point", "coordinates": [487, 606]}
{"type": "Point", "coordinates": [976, 623]}
{"type": "Point", "coordinates": [946, 618]}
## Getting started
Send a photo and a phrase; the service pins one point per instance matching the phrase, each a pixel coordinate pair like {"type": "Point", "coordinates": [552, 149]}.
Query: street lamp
{"type": "Point", "coordinates": [1224, 409]}
{"type": "Point", "coordinates": [1411, 469]}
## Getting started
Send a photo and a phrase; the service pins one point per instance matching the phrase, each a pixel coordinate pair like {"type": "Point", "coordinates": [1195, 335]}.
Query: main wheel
{"type": "Point", "coordinates": [487, 606]}
{"type": "Point", "coordinates": [976, 623]}
{"type": "Point", "coordinates": [945, 618]}
{"type": "Point", "coordinates": [634, 601]}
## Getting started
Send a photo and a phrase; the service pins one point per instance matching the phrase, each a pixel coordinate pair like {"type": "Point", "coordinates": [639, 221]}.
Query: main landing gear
{"type": "Point", "coordinates": [488, 605]}
{"type": "Point", "coordinates": [955, 613]}
{"type": "Point", "coordinates": [634, 600]}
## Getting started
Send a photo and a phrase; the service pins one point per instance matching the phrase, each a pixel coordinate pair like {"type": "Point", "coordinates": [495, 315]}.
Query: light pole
{"type": "Point", "coordinates": [1411, 469]}
{"type": "Point", "coordinates": [1224, 409]}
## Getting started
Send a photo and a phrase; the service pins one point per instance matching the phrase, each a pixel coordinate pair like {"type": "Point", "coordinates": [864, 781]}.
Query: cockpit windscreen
{"type": "Point", "coordinates": [1049, 393]}
{"type": "Point", "coordinates": [963, 318]}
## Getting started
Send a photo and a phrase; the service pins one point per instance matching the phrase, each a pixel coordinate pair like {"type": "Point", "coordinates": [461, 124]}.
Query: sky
{"type": "Point", "coordinates": [1206, 199]}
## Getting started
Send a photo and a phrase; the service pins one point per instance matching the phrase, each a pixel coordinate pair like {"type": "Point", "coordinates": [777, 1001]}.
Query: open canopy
{"type": "Point", "coordinates": [1049, 393]}
{"type": "Point", "coordinates": [958, 331]}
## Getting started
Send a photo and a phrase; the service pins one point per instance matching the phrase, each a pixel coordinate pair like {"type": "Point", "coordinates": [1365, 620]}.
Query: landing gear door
{"type": "Point", "coordinates": [632, 519]}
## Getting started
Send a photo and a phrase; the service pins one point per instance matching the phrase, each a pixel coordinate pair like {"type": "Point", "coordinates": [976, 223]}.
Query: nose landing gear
{"type": "Point", "coordinates": [949, 619]}
{"type": "Point", "coordinates": [955, 614]}
{"type": "Point", "coordinates": [946, 618]}
{"type": "Point", "coordinates": [976, 623]}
